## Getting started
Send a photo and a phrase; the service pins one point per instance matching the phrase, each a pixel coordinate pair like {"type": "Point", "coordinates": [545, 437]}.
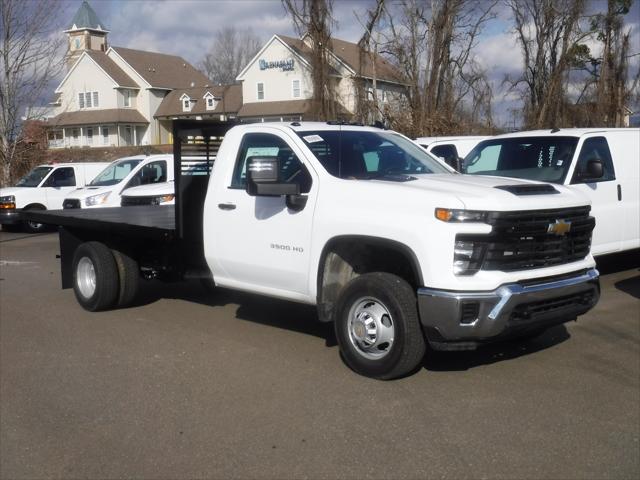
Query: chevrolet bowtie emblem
{"type": "Point", "coordinates": [561, 227]}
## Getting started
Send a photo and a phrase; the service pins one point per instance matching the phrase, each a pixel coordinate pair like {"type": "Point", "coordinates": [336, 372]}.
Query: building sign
{"type": "Point", "coordinates": [284, 65]}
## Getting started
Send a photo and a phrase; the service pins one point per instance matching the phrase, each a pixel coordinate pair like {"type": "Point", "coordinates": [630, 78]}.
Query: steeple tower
{"type": "Point", "coordinates": [86, 32]}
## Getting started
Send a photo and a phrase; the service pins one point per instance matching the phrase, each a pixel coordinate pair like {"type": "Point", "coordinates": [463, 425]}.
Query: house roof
{"type": "Point", "coordinates": [112, 69]}
{"type": "Point", "coordinates": [303, 50]}
{"type": "Point", "coordinates": [349, 54]}
{"type": "Point", "coordinates": [268, 109]}
{"type": "Point", "coordinates": [92, 117]}
{"type": "Point", "coordinates": [171, 105]}
{"type": "Point", "coordinates": [86, 18]}
{"type": "Point", "coordinates": [161, 70]}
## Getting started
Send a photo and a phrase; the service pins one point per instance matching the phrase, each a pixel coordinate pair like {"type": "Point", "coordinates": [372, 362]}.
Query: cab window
{"type": "Point", "coordinates": [266, 145]}
{"type": "Point", "coordinates": [154, 172]}
{"type": "Point", "coordinates": [594, 148]}
{"type": "Point", "coordinates": [62, 177]}
{"type": "Point", "coordinates": [448, 152]}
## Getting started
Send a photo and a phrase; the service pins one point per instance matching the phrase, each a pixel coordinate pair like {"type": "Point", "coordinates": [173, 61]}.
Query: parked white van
{"type": "Point", "coordinates": [44, 188]}
{"type": "Point", "coordinates": [105, 190]}
{"type": "Point", "coordinates": [450, 149]}
{"type": "Point", "coordinates": [604, 163]}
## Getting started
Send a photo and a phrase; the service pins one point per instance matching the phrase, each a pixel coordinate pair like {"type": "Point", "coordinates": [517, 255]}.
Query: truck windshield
{"type": "Point", "coordinates": [353, 154]}
{"type": "Point", "coordinates": [545, 159]}
{"type": "Point", "coordinates": [115, 173]}
{"type": "Point", "coordinates": [34, 177]}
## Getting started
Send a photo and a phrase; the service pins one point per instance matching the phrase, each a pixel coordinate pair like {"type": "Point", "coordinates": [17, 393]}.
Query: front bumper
{"type": "Point", "coordinates": [10, 216]}
{"type": "Point", "coordinates": [455, 320]}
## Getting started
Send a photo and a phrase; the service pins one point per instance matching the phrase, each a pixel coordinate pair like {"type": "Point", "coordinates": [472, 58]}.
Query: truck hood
{"type": "Point", "coordinates": [15, 191]}
{"type": "Point", "coordinates": [478, 192]}
{"type": "Point", "coordinates": [163, 188]}
{"type": "Point", "coordinates": [84, 192]}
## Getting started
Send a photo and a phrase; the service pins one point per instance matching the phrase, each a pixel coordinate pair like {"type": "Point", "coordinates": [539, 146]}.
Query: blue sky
{"type": "Point", "coordinates": [187, 27]}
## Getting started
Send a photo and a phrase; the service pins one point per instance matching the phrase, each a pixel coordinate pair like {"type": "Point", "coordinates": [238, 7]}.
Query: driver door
{"type": "Point", "coordinates": [262, 243]}
{"type": "Point", "coordinates": [603, 193]}
{"type": "Point", "coordinates": [58, 185]}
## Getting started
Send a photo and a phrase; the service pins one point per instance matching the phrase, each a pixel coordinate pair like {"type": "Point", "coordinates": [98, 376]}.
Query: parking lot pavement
{"type": "Point", "coordinates": [189, 385]}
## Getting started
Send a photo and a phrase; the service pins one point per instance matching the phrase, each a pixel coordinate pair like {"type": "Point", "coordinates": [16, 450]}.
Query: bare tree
{"type": "Point", "coordinates": [314, 17]}
{"type": "Point", "coordinates": [612, 92]}
{"type": "Point", "coordinates": [548, 32]}
{"type": "Point", "coordinates": [432, 45]}
{"type": "Point", "coordinates": [230, 52]}
{"type": "Point", "coordinates": [31, 59]}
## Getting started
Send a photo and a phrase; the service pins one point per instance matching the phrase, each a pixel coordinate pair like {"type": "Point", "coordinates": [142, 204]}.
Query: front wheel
{"type": "Point", "coordinates": [377, 326]}
{"type": "Point", "coordinates": [95, 276]}
{"type": "Point", "coordinates": [34, 227]}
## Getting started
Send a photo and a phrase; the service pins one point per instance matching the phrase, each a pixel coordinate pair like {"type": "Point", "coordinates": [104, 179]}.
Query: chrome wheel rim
{"type": "Point", "coordinates": [34, 225]}
{"type": "Point", "coordinates": [371, 328]}
{"type": "Point", "coordinates": [86, 277]}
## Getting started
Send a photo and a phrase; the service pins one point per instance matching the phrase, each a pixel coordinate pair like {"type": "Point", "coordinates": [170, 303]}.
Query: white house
{"type": "Point", "coordinates": [277, 84]}
{"type": "Point", "coordinates": [110, 95]}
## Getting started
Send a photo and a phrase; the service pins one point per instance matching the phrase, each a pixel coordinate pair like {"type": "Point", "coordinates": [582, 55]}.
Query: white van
{"type": "Point", "coordinates": [44, 188]}
{"type": "Point", "coordinates": [105, 190]}
{"type": "Point", "coordinates": [603, 163]}
{"type": "Point", "coordinates": [450, 149]}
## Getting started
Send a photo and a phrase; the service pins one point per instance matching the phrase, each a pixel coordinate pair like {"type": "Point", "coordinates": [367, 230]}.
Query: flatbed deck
{"type": "Point", "coordinates": [145, 220]}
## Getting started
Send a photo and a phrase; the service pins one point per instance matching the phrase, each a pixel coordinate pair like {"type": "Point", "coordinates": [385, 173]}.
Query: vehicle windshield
{"type": "Point", "coordinates": [34, 177]}
{"type": "Point", "coordinates": [365, 155]}
{"type": "Point", "coordinates": [546, 159]}
{"type": "Point", "coordinates": [115, 172]}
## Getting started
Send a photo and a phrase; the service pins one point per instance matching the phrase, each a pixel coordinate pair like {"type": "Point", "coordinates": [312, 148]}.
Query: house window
{"type": "Point", "coordinates": [260, 91]}
{"type": "Point", "coordinates": [88, 100]}
{"type": "Point", "coordinates": [126, 94]}
{"type": "Point", "coordinates": [210, 103]}
{"type": "Point", "coordinates": [186, 104]}
{"type": "Point", "coordinates": [89, 135]}
{"type": "Point", "coordinates": [105, 135]}
{"type": "Point", "coordinates": [296, 88]}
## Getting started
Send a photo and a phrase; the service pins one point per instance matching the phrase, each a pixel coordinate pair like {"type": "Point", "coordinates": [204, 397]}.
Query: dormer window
{"type": "Point", "coordinates": [210, 101]}
{"type": "Point", "coordinates": [186, 102]}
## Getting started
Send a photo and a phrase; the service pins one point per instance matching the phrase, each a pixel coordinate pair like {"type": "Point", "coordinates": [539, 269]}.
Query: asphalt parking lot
{"type": "Point", "coordinates": [189, 385]}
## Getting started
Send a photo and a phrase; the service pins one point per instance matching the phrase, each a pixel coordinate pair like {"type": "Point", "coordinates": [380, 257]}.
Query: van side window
{"type": "Point", "coordinates": [62, 177]}
{"type": "Point", "coordinates": [267, 145]}
{"type": "Point", "coordinates": [594, 148]}
{"type": "Point", "coordinates": [448, 152]}
{"type": "Point", "coordinates": [154, 172]}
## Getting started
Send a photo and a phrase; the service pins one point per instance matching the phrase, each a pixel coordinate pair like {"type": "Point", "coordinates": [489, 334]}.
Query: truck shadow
{"type": "Point", "coordinates": [438, 361]}
{"type": "Point", "coordinates": [252, 308]}
{"type": "Point", "coordinates": [618, 262]}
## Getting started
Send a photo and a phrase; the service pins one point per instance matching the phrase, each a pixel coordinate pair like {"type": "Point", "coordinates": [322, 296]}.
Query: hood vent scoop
{"type": "Point", "coordinates": [542, 189]}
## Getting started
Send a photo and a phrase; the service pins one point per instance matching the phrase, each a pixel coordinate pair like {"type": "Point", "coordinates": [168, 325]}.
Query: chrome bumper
{"type": "Point", "coordinates": [455, 320]}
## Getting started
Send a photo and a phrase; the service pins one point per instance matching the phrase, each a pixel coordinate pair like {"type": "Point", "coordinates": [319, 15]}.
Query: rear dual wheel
{"type": "Point", "coordinates": [103, 278]}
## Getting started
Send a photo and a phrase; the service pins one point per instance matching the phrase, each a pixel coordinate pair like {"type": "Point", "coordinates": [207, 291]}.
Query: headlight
{"type": "Point", "coordinates": [160, 199]}
{"type": "Point", "coordinates": [96, 199]}
{"type": "Point", "coordinates": [467, 257]}
{"type": "Point", "coordinates": [7, 202]}
{"type": "Point", "coordinates": [451, 215]}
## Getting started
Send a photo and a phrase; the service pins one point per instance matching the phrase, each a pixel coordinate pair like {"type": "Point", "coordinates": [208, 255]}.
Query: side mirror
{"type": "Point", "coordinates": [263, 178]}
{"type": "Point", "coordinates": [594, 170]}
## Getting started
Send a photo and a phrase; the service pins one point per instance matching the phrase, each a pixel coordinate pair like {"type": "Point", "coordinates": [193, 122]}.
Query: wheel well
{"type": "Point", "coordinates": [345, 258]}
{"type": "Point", "coordinates": [37, 206]}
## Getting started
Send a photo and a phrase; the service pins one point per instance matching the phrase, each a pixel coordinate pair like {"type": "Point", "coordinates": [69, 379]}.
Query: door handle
{"type": "Point", "coordinates": [227, 206]}
{"type": "Point", "coordinates": [619, 193]}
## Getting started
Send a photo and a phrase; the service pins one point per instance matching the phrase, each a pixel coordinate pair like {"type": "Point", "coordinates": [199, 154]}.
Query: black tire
{"type": "Point", "coordinates": [368, 295]}
{"type": "Point", "coordinates": [129, 278]}
{"type": "Point", "coordinates": [96, 256]}
{"type": "Point", "coordinates": [34, 227]}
